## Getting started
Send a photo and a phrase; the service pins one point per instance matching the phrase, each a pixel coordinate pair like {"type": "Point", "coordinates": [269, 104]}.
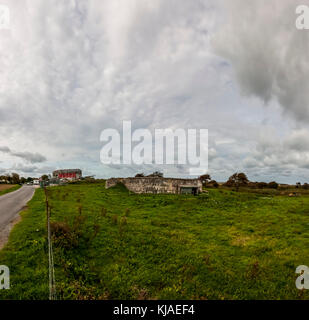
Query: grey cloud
{"type": "Point", "coordinates": [32, 170]}
{"type": "Point", "coordinates": [27, 156]}
{"type": "Point", "coordinates": [5, 149]}
{"type": "Point", "coordinates": [30, 157]}
{"type": "Point", "coordinates": [272, 151]}
{"type": "Point", "coordinates": [267, 52]}
{"type": "Point", "coordinates": [24, 169]}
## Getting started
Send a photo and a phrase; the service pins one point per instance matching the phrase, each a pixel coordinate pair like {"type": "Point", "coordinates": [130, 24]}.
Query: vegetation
{"type": "Point", "coordinates": [14, 178]}
{"type": "Point", "coordinates": [6, 188]}
{"type": "Point", "coordinates": [112, 244]}
{"type": "Point", "coordinates": [237, 180]}
{"type": "Point", "coordinates": [140, 175]}
{"type": "Point", "coordinates": [205, 178]}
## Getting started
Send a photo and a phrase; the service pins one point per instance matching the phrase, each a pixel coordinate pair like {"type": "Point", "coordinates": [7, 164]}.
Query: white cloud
{"type": "Point", "coordinates": [274, 153]}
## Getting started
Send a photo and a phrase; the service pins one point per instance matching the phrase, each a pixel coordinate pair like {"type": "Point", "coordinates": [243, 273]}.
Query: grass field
{"type": "Point", "coordinates": [110, 244]}
{"type": "Point", "coordinates": [6, 188]}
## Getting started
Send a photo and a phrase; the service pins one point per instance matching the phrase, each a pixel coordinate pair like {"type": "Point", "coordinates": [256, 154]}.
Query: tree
{"type": "Point", "coordinates": [15, 178]}
{"type": "Point", "coordinates": [306, 186]}
{"type": "Point", "coordinates": [262, 185]}
{"type": "Point", "coordinates": [273, 185]}
{"type": "Point", "coordinates": [298, 184]}
{"type": "Point", "coordinates": [205, 178]}
{"type": "Point", "coordinates": [23, 180]}
{"type": "Point", "coordinates": [44, 177]}
{"type": "Point", "coordinates": [214, 183]}
{"type": "Point", "coordinates": [156, 174]}
{"type": "Point", "coordinates": [237, 180]}
{"type": "Point", "coordinates": [139, 175]}
{"type": "Point", "coordinates": [3, 179]}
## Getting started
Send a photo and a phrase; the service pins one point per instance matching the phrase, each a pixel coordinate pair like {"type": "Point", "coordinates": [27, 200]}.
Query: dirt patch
{"type": "Point", "coordinates": [6, 186]}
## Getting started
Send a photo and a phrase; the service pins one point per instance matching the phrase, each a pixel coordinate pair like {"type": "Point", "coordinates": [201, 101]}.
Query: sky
{"type": "Point", "coordinates": [70, 69]}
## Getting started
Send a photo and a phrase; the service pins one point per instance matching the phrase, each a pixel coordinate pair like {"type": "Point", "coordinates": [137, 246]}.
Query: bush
{"type": "Point", "coordinates": [127, 212]}
{"type": "Point", "coordinates": [262, 185]}
{"type": "Point", "coordinates": [273, 185]}
{"type": "Point", "coordinates": [306, 186]}
{"type": "Point", "coordinates": [63, 235]}
{"type": "Point", "coordinates": [237, 180]}
{"type": "Point", "coordinates": [115, 219]}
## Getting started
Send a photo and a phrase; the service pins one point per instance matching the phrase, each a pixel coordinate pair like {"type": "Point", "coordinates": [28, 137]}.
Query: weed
{"type": "Point", "coordinates": [115, 219]}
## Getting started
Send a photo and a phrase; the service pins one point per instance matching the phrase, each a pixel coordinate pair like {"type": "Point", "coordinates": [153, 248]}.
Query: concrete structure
{"type": "Point", "coordinates": [69, 174]}
{"type": "Point", "coordinates": [158, 185]}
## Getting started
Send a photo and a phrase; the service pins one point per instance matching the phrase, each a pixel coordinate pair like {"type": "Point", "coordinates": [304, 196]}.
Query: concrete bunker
{"type": "Point", "coordinates": [157, 185]}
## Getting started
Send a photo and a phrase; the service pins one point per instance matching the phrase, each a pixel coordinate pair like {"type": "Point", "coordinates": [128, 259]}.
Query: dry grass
{"type": "Point", "coordinates": [6, 186]}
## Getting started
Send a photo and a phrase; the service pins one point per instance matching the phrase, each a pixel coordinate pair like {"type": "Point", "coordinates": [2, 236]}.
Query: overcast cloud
{"type": "Point", "coordinates": [70, 69]}
{"type": "Point", "coordinates": [27, 156]}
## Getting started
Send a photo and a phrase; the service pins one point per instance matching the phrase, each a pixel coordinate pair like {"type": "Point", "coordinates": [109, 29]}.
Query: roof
{"type": "Point", "coordinates": [67, 171]}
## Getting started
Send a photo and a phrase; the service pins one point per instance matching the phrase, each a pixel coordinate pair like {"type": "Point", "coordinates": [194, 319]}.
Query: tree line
{"type": "Point", "coordinates": [14, 178]}
{"type": "Point", "coordinates": [240, 179]}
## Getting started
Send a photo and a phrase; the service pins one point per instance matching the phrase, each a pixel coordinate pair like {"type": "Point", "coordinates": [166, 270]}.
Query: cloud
{"type": "Point", "coordinates": [27, 156]}
{"type": "Point", "coordinates": [30, 157]}
{"type": "Point", "coordinates": [24, 169]}
{"type": "Point", "coordinates": [28, 170]}
{"type": "Point", "coordinates": [268, 54]}
{"type": "Point", "coordinates": [5, 149]}
{"type": "Point", "coordinates": [88, 65]}
{"type": "Point", "coordinates": [280, 154]}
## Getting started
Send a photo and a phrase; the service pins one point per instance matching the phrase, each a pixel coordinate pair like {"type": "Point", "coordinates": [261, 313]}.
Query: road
{"type": "Point", "coordinates": [10, 205]}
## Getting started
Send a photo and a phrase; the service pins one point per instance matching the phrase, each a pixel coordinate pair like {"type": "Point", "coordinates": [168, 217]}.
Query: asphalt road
{"type": "Point", "coordinates": [12, 203]}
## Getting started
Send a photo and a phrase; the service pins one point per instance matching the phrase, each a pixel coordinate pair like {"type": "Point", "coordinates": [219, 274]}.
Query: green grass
{"type": "Point", "coordinates": [26, 254]}
{"type": "Point", "coordinates": [13, 188]}
{"type": "Point", "coordinates": [227, 245]}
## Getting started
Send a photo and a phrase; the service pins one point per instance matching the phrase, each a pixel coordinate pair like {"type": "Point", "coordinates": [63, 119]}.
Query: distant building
{"type": "Point", "coordinates": [158, 185]}
{"type": "Point", "coordinates": [69, 174]}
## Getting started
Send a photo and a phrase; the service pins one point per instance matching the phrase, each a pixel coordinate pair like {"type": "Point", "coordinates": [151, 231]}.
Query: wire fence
{"type": "Point", "coordinates": [51, 267]}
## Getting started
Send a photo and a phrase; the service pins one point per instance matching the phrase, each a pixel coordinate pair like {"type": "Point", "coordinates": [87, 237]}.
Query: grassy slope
{"type": "Point", "coordinates": [26, 254]}
{"type": "Point", "coordinates": [226, 246]}
{"type": "Point", "coordinates": [11, 188]}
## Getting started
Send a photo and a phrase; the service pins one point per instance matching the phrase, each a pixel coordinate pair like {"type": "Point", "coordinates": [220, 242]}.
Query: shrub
{"type": "Point", "coordinates": [63, 235]}
{"type": "Point", "coordinates": [122, 224]}
{"type": "Point", "coordinates": [103, 212]}
{"type": "Point", "coordinates": [214, 184]}
{"type": "Point", "coordinates": [237, 180]}
{"type": "Point", "coordinates": [123, 221]}
{"type": "Point", "coordinates": [273, 185]}
{"type": "Point", "coordinates": [115, 219]}
{"type": "Point", "coordinates": [306, 186]}
{"type": "Point", "coordinates": [262, 185]}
